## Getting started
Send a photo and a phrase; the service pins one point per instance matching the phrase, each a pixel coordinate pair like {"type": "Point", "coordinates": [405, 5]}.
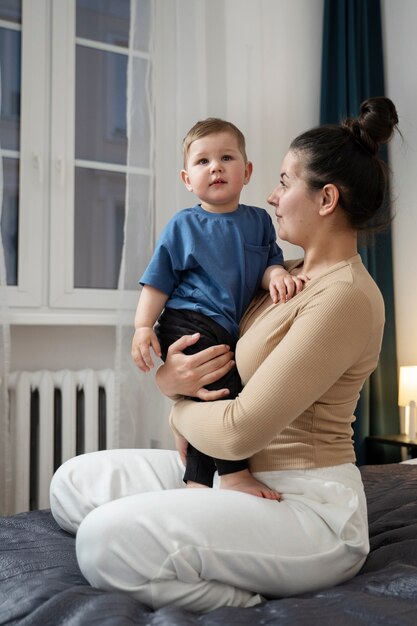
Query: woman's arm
{"type": "Point", "coordinates": [323, 341]}
{"type": "Point", "coordinates": [187, 375]}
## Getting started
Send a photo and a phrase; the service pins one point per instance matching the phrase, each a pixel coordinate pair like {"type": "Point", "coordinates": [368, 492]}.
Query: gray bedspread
{"type": "Point", "coordinates": [40, 583]}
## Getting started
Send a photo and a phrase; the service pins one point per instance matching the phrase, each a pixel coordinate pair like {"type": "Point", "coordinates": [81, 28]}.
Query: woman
{"type": "Point", "coordinates": [303, 364]}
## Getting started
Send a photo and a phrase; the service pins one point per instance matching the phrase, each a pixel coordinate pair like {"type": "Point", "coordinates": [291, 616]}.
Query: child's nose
{"type": "Point", "coordinates": [216, 165]}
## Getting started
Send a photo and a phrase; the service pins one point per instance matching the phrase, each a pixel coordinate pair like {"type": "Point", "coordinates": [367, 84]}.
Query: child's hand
{"type": "Point", "coordinates": [144, 339]}
{"type": "Point", "coordinates": [283, 286]}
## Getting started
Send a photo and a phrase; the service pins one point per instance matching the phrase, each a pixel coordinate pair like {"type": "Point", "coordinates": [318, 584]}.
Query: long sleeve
{"type": "Point", "coordinates": [303, 364]}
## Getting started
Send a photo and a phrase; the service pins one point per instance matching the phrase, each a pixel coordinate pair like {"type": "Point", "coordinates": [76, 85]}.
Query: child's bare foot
{"type": "Point", "coordinates": [192, 485]}
{"type": "Point", "coordinates": [244, 481]}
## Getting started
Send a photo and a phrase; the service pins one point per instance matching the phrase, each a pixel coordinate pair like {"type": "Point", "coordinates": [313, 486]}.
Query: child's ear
{"type": "Point", "coordinates": [185, 179]}
{"type": "Point", "coordinates": [248, 172]}
{"type": "Point", "coordinates": [329, 199]}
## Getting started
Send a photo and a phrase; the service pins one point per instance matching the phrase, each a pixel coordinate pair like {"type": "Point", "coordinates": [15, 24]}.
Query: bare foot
{"type": "Point", "coordinates": [244, 481]}
{"type": "Point", "coordinates": [192, 485]}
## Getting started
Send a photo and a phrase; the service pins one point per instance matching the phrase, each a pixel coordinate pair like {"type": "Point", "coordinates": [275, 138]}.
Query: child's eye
{"type": "Point", "coordinates": [226, 157]}
{"type": "Point", "coordinates": [202, 161]}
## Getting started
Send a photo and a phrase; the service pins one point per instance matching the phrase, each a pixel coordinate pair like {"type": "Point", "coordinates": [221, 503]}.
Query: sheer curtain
{"type": "Point", "coordinates": [5, 447]}
{"type": "Point", "coordinates": [141, 411]}
{"type": "Point", "coordinates": [166, 95]}
{"type": "Point", "coordinates": [203, 66]}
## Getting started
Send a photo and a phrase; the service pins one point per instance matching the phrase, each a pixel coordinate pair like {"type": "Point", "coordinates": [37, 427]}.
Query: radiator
{"type": "Point", "coordinates": [55, 415]}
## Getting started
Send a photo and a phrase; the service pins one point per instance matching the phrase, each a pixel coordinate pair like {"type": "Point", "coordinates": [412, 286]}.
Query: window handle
{"type": "Point", "coordinates": [60, 168]}
{"type": "Point", "coordinates": [38, 165]}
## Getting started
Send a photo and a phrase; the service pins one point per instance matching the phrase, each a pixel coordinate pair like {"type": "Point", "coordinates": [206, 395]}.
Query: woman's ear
{"type": "Point", "coordinates": [185, 179]}
{"type": "Point", "coordinates": [329, 199]}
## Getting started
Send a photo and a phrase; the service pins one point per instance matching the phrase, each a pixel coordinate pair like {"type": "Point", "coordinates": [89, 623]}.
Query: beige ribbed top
{"type": "Point", "coordinates": [303, 364]}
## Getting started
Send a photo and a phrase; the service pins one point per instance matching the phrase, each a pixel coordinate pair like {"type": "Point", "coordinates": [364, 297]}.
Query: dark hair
{"type": "Point", "coordinates": [348, 155]}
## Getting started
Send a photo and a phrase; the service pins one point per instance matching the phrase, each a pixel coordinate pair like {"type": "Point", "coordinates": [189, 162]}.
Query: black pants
{"type": "Point", "coordinates": [172, 325]}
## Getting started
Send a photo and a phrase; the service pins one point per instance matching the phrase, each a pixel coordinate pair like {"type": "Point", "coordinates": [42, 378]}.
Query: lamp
{"type": "Point", "coordinates": [407, 397]}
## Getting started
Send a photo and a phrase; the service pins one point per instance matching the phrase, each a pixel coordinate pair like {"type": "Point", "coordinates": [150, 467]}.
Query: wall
{"type": "Point", "coordinates": [62, 347]}
{"type": "Point", "coordinates": [399, 26]}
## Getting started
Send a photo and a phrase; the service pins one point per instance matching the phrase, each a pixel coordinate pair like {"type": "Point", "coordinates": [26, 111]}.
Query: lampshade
{"type": "Point", "coordinates": [407, 390]}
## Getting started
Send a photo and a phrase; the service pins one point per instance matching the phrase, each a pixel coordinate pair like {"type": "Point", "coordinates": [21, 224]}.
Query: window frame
{"type": "Point", "coordinates": [33, 157]}
{"type": "Point", "coordinates": [45, 293]}
{"type": "Point", "coordinates": [63, 294]}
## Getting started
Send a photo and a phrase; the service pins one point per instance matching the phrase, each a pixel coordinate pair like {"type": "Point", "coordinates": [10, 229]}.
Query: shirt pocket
{"type": "Point", "coordinates": [256, 259]}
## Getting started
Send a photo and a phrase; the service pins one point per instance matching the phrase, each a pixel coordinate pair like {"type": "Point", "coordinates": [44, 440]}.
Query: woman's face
{"type": "Point", "coordinates": [296, 206]}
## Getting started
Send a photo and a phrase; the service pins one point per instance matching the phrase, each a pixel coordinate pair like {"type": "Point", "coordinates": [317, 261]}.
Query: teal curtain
{"type": "Point", "coordinates": [353, 70]}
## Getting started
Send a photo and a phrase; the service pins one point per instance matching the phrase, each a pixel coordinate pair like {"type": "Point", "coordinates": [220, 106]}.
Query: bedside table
{"type": "Point", "coordinates": [403, 441]}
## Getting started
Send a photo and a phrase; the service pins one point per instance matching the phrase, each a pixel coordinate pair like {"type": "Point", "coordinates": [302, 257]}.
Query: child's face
{"type": "Point", "coordinates": [216, 172]}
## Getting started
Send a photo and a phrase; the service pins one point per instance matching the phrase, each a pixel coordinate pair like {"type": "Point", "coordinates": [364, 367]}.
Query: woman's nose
{"type": "Point", "coordinates": [272, 199]}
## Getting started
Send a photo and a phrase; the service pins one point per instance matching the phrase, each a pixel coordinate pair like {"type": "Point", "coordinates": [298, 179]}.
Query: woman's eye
{"type": "Point", "coordinates": [281, 183]}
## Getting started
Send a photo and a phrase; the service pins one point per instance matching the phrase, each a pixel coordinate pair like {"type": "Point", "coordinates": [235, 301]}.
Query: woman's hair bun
{"type": "Point", "coordinates": [375, 124]}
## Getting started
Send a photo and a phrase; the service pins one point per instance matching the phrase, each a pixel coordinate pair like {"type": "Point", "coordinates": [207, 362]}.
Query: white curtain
{"type": "Point", "coordinates": [206, 61]}
{"type": "Point", "coordinates": [5, 447]}
{"type": "Point", "coordinates": [239, 60]}
{"type": "Point", "coordinates": [141, 411]}
{"type": "Point", "coordinates": [160, 109]}
{"type": "Point", "coordinates": [165, 97]}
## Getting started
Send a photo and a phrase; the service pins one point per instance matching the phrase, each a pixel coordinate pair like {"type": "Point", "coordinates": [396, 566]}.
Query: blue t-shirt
{"type": "Point", "coordinates": [213, 263]}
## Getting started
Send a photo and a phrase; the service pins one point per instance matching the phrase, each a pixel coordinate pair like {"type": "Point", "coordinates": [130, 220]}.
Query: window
{"type": "Point", "coordinates": [63, 136]}
{"type": "Point", "coordinates": [10, 49]}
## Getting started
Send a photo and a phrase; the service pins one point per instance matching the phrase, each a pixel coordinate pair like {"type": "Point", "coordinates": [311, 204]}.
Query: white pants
{"type": "Point", "coordinates": [140, 531]}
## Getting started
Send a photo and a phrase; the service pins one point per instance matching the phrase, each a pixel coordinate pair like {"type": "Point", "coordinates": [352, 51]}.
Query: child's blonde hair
{"type": "Point", "coordinates": [210, 126]}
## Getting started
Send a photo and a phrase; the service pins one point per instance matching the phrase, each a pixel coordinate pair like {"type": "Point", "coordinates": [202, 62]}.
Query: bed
{"type": "Point", "coordinates": [40, 583]}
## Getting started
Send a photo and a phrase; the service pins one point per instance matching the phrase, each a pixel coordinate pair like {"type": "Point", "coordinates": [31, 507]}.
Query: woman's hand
{"type": "Point", "coordinates": [187, 375]}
